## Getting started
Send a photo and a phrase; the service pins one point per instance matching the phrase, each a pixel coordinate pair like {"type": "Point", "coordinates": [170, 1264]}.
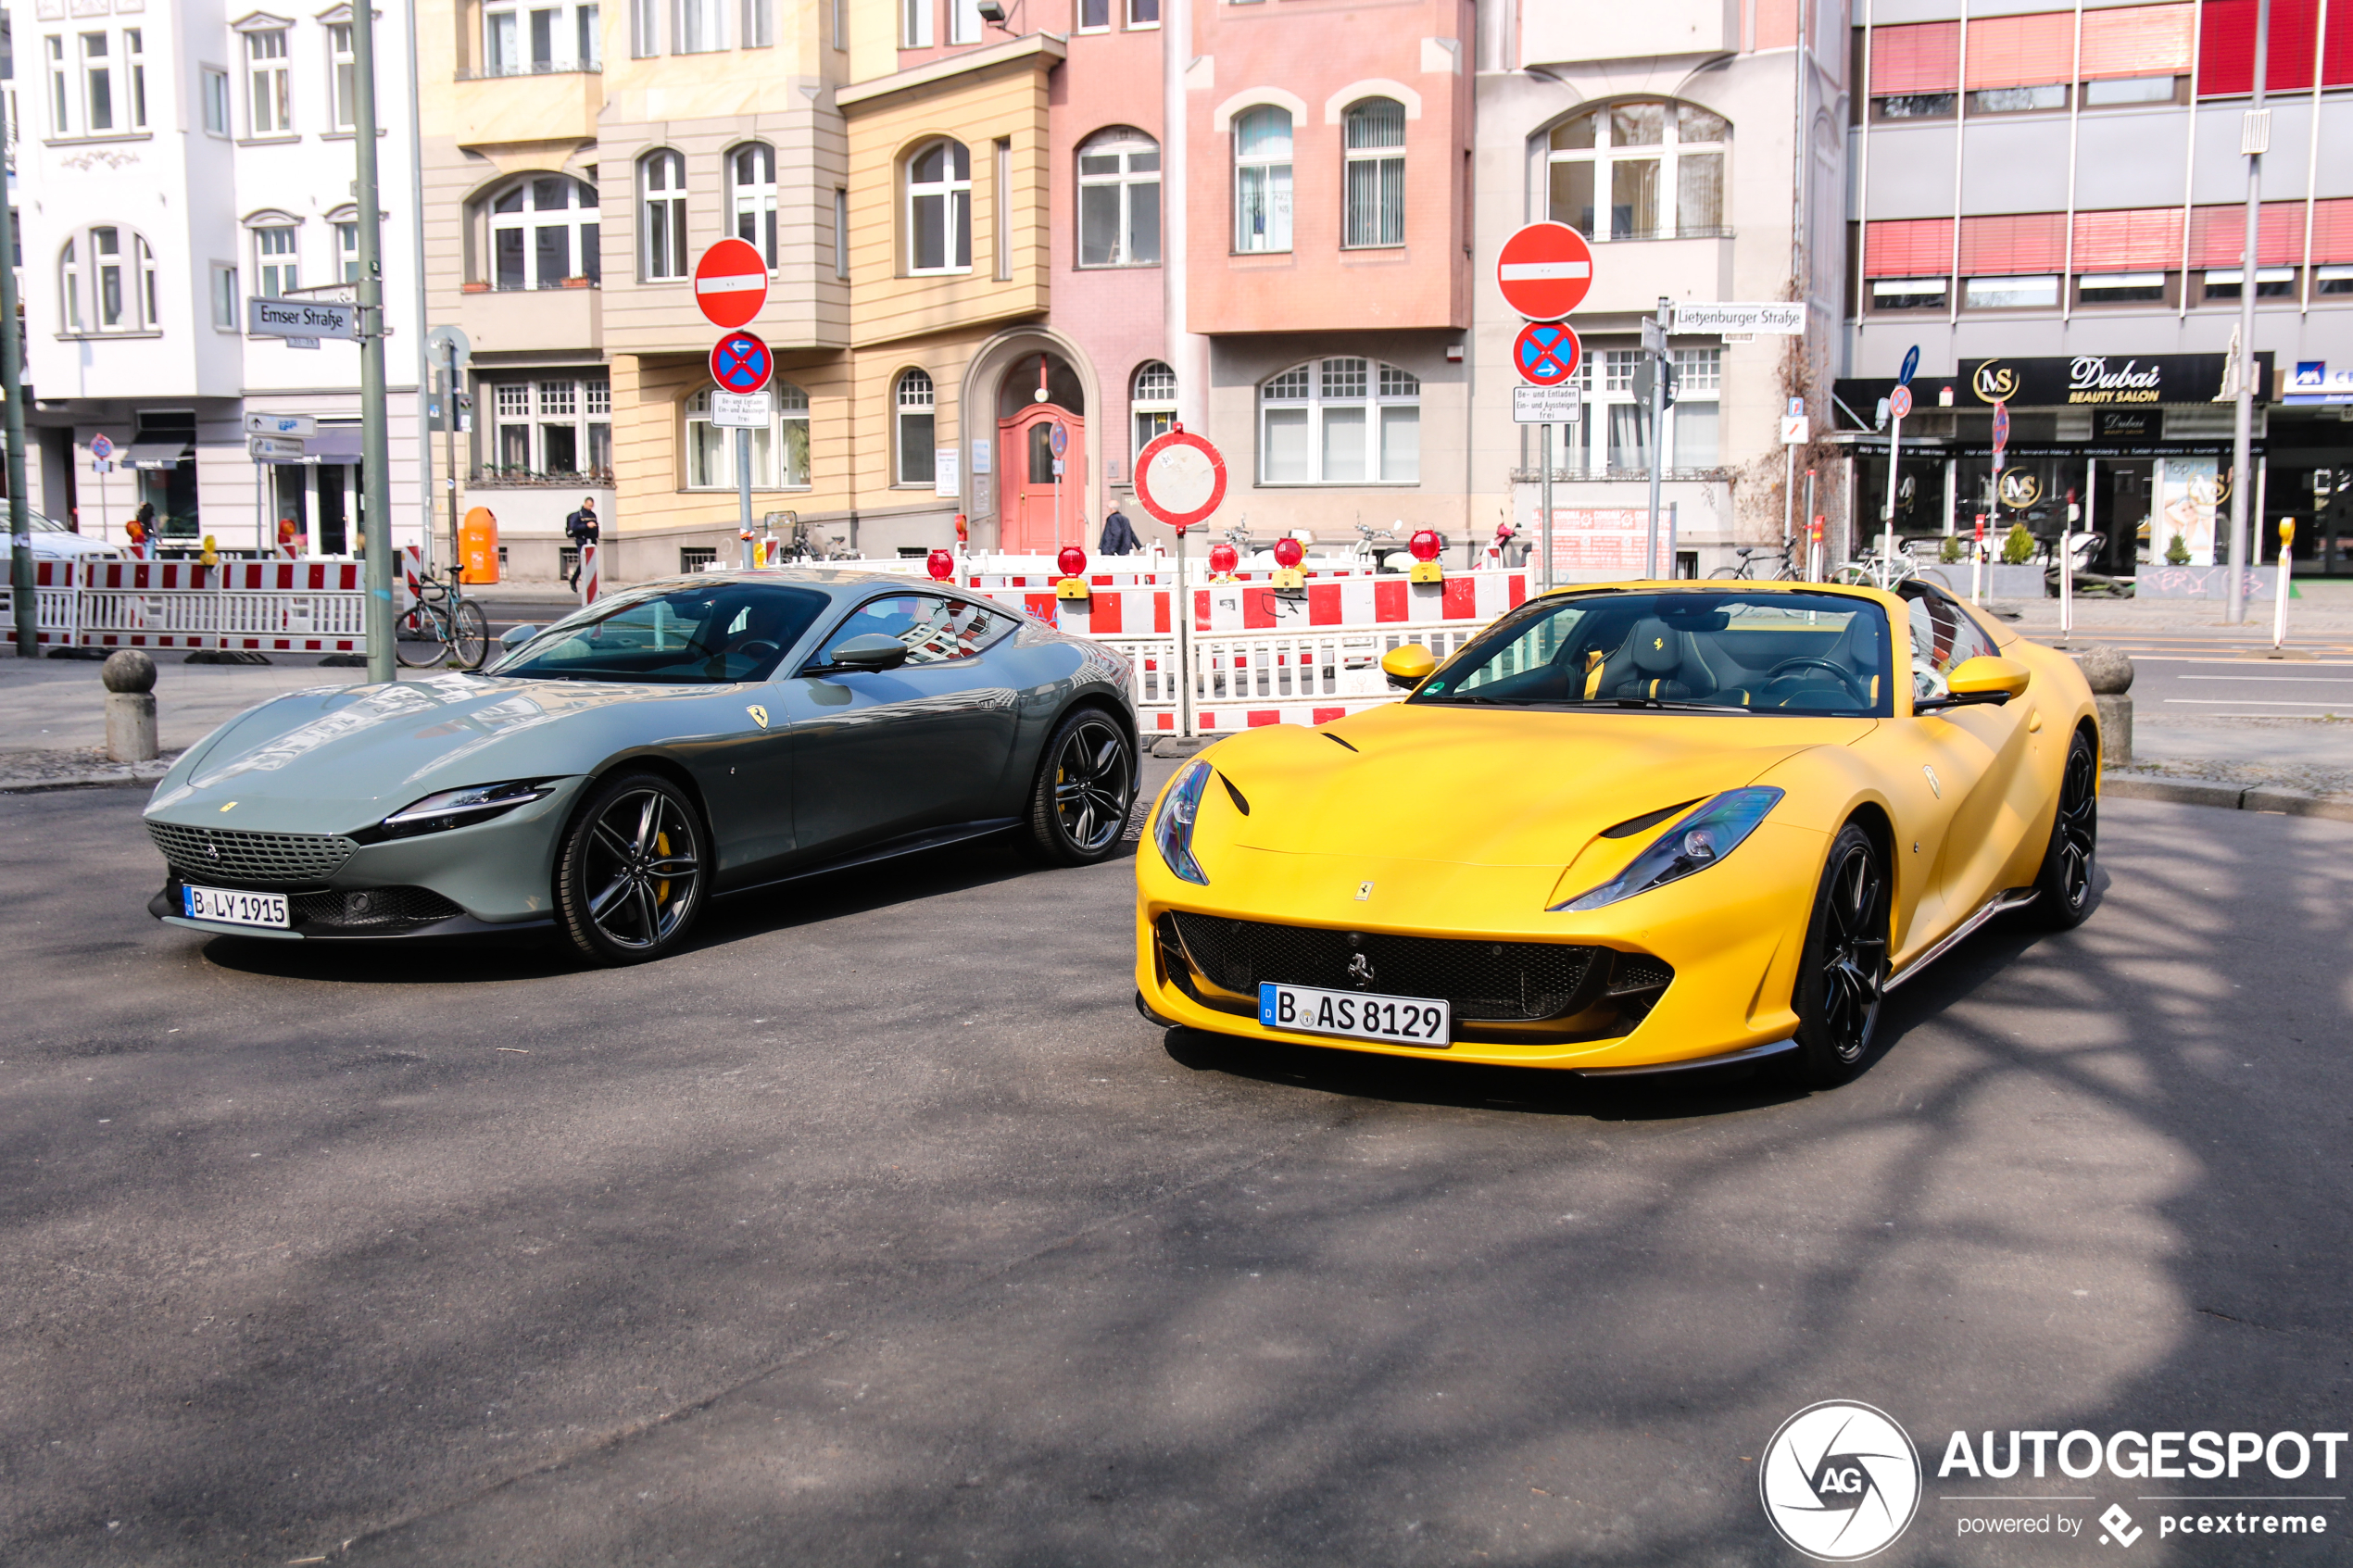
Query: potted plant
{"type": "Point", "coordinates": [2177, 552]}
{"type": "Point", "coordinates": [578, 282]}
{"type": "Point", "coordinates": [474, 287]}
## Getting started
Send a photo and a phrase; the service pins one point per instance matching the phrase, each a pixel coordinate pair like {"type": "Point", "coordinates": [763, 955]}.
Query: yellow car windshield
{"type": "Point", "coordinates": [1755, 652]}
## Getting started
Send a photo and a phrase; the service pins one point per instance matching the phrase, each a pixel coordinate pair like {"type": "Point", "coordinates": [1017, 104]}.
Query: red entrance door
{"type": "Point", "coordinates": [1026, 496]}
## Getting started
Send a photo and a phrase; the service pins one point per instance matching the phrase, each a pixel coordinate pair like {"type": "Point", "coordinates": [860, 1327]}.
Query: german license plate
{"type": "Point", "coordinates": [1406, 1020]}
{"type": "Point", "coordinates": [226, 905]}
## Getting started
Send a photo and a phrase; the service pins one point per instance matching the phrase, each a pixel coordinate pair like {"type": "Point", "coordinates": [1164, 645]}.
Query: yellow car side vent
{"type": "Point", "coordinates": [1633, 825]}
{"type": "Point", "coordinates": [1241, 804]}
{"type": "Point", "coordinates": [1334, 739]}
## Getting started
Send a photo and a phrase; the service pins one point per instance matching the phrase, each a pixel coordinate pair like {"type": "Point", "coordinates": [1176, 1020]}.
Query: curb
{"type": "Point", "coordinates": [87, 780]}
{"type": "Point", "coordinates": [2196, 792]}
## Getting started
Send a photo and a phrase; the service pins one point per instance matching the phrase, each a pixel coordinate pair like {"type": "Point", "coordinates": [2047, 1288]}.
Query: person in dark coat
{"type": "Point", "coordinates": [581, 529]}
{"type": "Point", "coordinates": [1118, 536]}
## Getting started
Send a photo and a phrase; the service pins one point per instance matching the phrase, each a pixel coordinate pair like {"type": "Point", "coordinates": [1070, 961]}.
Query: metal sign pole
{"type": "Point", "coordinates": [2255, 140]}
{"type": "Point", "coordinates": [743, 491]}
{"type": "Point", "coordinates": [1789, 498]}
{"type": "Point", "coordinates": [1660, 359]}
{"type": "Point", "coordinates": [24, 598]}
{"type": "Point", "coordinates": [449, 439]}
{"type": "Point", "coordinates": [1887, 531]}
{"type": "Point", "coordinates": [375, 440]}
{"type": "Point", "coordinates": [1813, 534]}
{"type": "Point", "coordinates": [1182, 614]}
{"type": "Point", "coordinates": [1545, 576]}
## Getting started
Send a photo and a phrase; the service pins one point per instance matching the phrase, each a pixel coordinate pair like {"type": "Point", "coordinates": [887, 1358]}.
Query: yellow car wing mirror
{"type": "Point", "coordinates": [1985, 678]}
{"type": "Point", "coordinates": [1408, 667]}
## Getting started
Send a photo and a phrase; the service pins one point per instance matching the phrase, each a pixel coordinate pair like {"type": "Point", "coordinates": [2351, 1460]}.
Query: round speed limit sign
{"type": "Point", "coordinates": [1180, 478]}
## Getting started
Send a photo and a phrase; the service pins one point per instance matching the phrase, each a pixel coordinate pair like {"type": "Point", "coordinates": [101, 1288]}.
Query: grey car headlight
{"type": "Point", "coordinates": [463, 807]}
{"type": "Point", "coordinates": [1693, 845]}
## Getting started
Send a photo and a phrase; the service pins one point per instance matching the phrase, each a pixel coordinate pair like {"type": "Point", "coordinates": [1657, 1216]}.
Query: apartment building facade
{"type": "Point", "coordinates": [178, 157]}
{"type": "Point", "coordinates": [2050, 202]}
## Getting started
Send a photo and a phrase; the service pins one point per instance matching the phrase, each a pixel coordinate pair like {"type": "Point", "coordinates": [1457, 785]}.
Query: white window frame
{"type": "Point", "coordinates": [228, 305]}
{"type": "Point", "coordinates": [914, 396]}
{"type": "Point", "coordinates": [1329, 396]}
{"type": "Point", "coordinates": [1141, 15]}
{"type": "Point", "coordinates": [1263, 182]}
{"type": "Point", "coordinates": [1373, 182]}
{"type": "Point", "coordinates": [345, 224]}
{"type": "Point", "coordinates": [1135, 170]}
{"type": "Point", "coordinates": [841, 232]}
{"type": "Point", "coordinates": [698, 27]}
{"type": "Point", "coordinates": [751, 203]}
{"type": "Point", "coordinates": [757, 24]}
{"type": "Point", "coordinates": [1092, 16]}
{"type": "Point", "coordinates": [269, 86]}
{"type": "Point", "coordinates": [100, 114]}
{"type": "Point", "coordinates": [1606, 381]}
{"type": "Point", "coordinates": [86, 272]}
{"type": "Point", "coordinates": [579, 219]}
{"type": "Point", "coordinates": [645, 29]}
{"type": "Point", "coordinates": [523, 412]}
{"type": "Point", "coordinates": [954, 192]}
{"type": "Point", "coordinates": [661, 214]}
{"type": "Point", "coordinates": [134, 65]}
{"type": "Point", "coordinates": [963, 21]}
{"type": "Point", "coordinates": [1669, 153]}
{"type": "Point", "coordinates": [276, 272]}
{"type": "Point", "coordinates": [707, 458]}
{"type": "Point", "coordinates": [511, 44]}
{"type": "Point", "coordinates": [213, 87]}
{"type": "Point", "coordinates": [343, 85]}
{"type": "Point", "coordinates": [915, 24]}
{"type": "Point", "coordinates": [1152, 402]}
{"type": "Point", "coordinates": [62, 93]}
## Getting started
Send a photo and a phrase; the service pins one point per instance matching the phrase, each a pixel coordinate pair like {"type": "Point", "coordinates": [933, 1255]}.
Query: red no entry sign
{"type": "Point", "coordinates": [1546, 353]}
{"type": "Point", "coordinates": [740, 362]}
{"type": "Point", "coordinates": [1181, 478]}
{"type": "Point", "coordinates": [1544, 271]}
{"type": "Point", "coordinates": [731, 283]}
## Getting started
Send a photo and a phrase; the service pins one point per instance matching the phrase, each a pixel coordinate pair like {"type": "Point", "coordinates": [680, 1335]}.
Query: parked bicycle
{"type": "Point", "coordinates": [443, 627]}
{"type": "Point", "coordinates": [1876, 568]}
{"type": "Point", "coordinates": [1758, 563]}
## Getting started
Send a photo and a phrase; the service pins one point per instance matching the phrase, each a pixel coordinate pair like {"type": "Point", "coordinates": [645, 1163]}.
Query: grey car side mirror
{"type": "Point", "coordinates": [515, 637]}
{"type": "Point", "coordinates": [872, 651]}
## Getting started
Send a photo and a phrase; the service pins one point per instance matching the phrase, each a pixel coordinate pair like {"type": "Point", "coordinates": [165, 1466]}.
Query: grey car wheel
{"type": "Point", "coordinates": [1086, 788]}
{"type": "Point", "coordinates": [630, 879]}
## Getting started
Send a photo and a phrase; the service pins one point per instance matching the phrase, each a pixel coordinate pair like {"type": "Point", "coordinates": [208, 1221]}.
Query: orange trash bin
{"type": "Point", "coordinates": [478, 546]}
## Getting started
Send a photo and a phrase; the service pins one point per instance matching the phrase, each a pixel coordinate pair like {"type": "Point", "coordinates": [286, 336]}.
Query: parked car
{"type": "Point", "coordinates": [53, 540]}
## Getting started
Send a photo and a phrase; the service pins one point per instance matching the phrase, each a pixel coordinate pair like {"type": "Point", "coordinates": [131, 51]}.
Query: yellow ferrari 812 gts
{"type": "Point", "coordinates": [1628, 829]}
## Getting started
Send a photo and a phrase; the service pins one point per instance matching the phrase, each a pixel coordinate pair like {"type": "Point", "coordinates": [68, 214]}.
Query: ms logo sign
{"type": "Point", "coordinates": [1840, 1481]}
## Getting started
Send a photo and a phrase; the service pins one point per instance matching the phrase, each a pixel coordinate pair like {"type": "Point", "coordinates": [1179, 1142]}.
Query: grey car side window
{"type": "Point", "coordinates": [936, 628]}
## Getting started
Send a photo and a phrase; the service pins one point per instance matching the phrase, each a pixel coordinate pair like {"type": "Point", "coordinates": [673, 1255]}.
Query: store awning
{"type": "Point", "coordinates": [166, 454]}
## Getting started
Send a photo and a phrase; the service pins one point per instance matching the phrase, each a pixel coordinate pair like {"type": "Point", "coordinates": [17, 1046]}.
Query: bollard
{"type": "Point", "coordinates": [2110, 674]}
{"type": "Point", "coordinates": [129, 678]}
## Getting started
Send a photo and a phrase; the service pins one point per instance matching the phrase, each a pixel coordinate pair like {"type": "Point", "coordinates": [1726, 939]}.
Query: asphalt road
{"type": "Point", "coordinates": [879, 1228]}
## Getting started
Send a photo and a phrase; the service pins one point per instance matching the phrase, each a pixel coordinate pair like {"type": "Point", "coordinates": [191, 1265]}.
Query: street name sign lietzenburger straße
{"type": "Point", "coordinates": [1545, 270]}
{"type": "Point", "coordinates": [1784, 317]}
{"type": "Point", "coordinates": [731, 283]}
{"type": "Point", "coordinates": [301, 318]}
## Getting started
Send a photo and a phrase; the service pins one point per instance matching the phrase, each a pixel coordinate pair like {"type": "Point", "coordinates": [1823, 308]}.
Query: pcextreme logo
{"type": "Point", "coordinates": [1840, 1480]}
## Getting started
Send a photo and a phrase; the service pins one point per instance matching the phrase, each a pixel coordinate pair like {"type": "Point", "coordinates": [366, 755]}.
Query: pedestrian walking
{"type": "Point", "coordinates": [1118, 537]}
{"type": "Point", "coordinates": [581, 529]}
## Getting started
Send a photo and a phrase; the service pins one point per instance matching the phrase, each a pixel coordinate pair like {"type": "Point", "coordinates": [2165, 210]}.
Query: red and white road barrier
{"type": "Point", "coordinates": [588, 582]}
{"type": "Point", "coordinates": [254, 606]}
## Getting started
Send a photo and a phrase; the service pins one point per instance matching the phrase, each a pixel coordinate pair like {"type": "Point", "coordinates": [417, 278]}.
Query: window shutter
{"type": "Point", "coordinates": [2138, 237]}
{"type": "Point", "coordinates": [1909, 248]}
{"type": "Point", "coordinates": [2218, 234]}
{"type": "Point", "coordinates": [2332, 232]}
{"type": "Point", "coordinates": [1917, 58]}
{"type": "Point", "coordinates": [2336, 50]}
{"type": "Point", "coordinates": [2137, 41]}
{"type": "Point", "coordinates": [2026, 242]}
{"type": "Point", "coordinates": [2029, 51]}
{"type": "Point", "coordinates": [2226, 47]}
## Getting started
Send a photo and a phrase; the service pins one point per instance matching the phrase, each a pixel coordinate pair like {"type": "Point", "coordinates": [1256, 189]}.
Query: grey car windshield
{"type": "Point", "coordinates": [682, 636]}
{"type": "Point", "coordinates": [1759, 652]}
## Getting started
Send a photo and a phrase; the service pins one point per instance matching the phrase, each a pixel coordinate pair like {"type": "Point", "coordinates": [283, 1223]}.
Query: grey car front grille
{"type": "Point", "coordinates": [238, 856]}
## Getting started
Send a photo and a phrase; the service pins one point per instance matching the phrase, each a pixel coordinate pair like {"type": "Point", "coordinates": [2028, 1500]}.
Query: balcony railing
{"type": "Point", "coordinates": [1615, 476]}
{"type": "Point", "coordinates": [495, 478]}
{"type": "Point", "coordinates": [529, 68]}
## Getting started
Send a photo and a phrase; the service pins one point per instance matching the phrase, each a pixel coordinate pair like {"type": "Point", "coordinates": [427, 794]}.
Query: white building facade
{"type": "Point", "coordinates": [178, 156]}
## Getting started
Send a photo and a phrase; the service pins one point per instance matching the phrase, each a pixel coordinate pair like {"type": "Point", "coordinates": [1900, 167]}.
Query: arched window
{"type": "Point", "coordinates": [1376, 197]}
{"type": "Point", "coordinates": [1341, 421]}
{"type": "Point", "coordinates": [106, 278]}
{"type": "Point", "coordinates": [751, 197]}
{"type": "Point", "coordinates": [1647, 170]}
{"type": "Point", "coordinates": [661, 179]}
{"type": "Point", "coordinates": [543, 230]}
{"type": "Point", "coordinates": [779, 449]}
{"type": "Point", "coordinates": [913, 419]}
{"type": "Point", "coordinates": [1262, 179]}
{"type": "Point", "coordinates": [1152, 398]}
{"type": "Point", "coordinates": [939, 208]}
{"type": "Point", "coordinates": [1119, 199]}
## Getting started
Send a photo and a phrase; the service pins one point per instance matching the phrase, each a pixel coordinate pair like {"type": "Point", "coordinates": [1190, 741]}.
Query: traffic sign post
{"type": "Point", "coordinates": [1545, 270]}
{"type": "Point", "coordinates": [1546, 353]}
{"type": "Point", "coordinates": [1181, 478]}
{"type": "Point", "coordinates": [1899, 403]}
{"type": "Point", "coordinates": [1796, 433]}
{"type": "Point", "coordinates": [740, 363]}
{"type": "Point", "coordinates": [1911, 367]}
{"type": "Point", "coordinates": [731, 284]}
{"type": "Point", "coordinates": [1058, 442]}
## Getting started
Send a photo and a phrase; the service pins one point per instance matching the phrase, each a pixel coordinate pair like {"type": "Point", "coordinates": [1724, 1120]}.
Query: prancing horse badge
{"type": "Point", "coordinates": [759, 715]}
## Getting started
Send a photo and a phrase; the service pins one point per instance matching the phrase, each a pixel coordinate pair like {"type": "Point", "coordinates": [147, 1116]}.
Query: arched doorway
{"type": "Point", "coordinates": [1036, 516]}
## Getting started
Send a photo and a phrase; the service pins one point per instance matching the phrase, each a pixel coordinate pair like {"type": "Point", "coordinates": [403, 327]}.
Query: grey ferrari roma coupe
{"type": "Point", "coordinates": [611, 773]}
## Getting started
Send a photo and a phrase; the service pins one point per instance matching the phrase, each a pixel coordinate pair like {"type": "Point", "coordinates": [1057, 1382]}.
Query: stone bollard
{"type": "Point", "coordinates": [2110, 674]}
{"type": "Point", "coordinates": [129, 678]}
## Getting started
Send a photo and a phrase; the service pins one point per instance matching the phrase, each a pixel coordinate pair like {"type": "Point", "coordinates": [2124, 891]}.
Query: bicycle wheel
{"type": "Point", "coordinates": [469, 634]}
{"type": "Point", "coordinates": [1725, 574]}
{"type": "Point", "coordinates": [1853, 576]}
{"type": "Point", "coordinates": [420, 637]}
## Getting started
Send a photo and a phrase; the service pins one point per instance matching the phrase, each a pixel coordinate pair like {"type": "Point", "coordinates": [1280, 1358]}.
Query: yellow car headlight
{"type": "Point", "coordinates": [1697, 842]}
{"type": "Point", "coordinates": [1173, 828]}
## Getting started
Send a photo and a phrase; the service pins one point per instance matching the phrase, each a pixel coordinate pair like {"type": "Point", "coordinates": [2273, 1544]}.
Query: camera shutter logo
{"type": "Point", "coordinates": [1840, 1481]}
